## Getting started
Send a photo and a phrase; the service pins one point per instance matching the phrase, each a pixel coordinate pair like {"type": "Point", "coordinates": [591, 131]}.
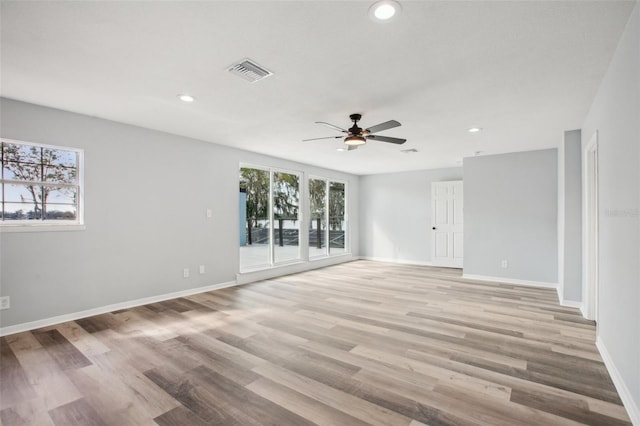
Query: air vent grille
{"type": "Point", "coordinates": [249, 70]}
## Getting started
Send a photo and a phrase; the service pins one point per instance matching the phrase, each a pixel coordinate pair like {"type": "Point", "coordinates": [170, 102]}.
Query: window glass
{"type": "Point", "coordinates": [317, 217]}
{"type": "Point", "coordinates": [254, 220]}
{"type": "Point", "coordinates": [39, 184]}
{"type": "Point", "coordinates": [286, 224]}
{"type": "Point", "coordinates": [337, 224]}
{"type": "Point", "coordinates": [270, 217]}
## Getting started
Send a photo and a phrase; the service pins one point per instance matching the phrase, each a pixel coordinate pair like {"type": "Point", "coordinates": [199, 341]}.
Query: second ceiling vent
{"type": "Point", "coordinates": [249, 70]}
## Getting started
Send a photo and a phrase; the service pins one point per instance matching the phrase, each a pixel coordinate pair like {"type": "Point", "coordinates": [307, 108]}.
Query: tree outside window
{"type": "Point", "coordinates": [39, 183]}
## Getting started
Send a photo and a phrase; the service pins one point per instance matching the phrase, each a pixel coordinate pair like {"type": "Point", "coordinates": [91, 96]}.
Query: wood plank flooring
{"type": "Point", "coordinates": [362, 343]}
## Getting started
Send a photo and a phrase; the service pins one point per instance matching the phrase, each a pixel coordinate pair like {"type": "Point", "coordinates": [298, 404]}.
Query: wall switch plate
{"type": "Point", "coordinates": [185, 272]}
{"type": "Point", "coordinates": [209, 213]}
{"type": "Point", "coordinates": [5, 303]}
{"type": "Point", "coordinates": [504, 264]}
{"type": "Point", "coordinates": [202, 269]}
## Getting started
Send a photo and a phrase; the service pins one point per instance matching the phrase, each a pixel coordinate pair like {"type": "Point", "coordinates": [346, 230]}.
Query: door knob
{"type": "Point", "coordinates": [434, 228]}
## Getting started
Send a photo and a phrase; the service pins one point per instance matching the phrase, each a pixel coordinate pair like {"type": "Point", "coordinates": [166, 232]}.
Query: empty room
{"type": "Point", "coordinates": [311, 212]}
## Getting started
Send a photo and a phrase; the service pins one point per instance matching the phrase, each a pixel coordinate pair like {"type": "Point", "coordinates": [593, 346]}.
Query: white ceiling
{"type": "Point", "coordinates": [524, 71]}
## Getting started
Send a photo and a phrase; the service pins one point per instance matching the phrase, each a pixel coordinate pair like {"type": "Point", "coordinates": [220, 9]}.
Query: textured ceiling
{"type": "Point", "coordinates": [524, 71]}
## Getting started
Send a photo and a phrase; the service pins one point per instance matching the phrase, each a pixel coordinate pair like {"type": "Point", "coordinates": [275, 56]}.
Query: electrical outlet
{"type": "Point", "coordinates": [5, 303]}
{"type": "Point", "coordinates": [185, 272]}
{"type": "Point", "coordinates": [202, 269]}
{"type": "Point", "coordinates": [504, 264]}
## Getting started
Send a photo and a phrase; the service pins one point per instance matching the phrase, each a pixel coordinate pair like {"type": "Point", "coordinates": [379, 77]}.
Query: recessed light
{"type": "Point", "coordinates": [186, 98]}
{"type": "Point", "coordinates": [384, 10]}
{"type": "Point", "coordinates": [474, 129]}
{"type": "Point", "coordinates": [340, 149]}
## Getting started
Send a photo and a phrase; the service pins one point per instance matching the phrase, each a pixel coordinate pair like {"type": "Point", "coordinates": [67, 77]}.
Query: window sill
{"type": "Point", "coordinates": [41, 228]}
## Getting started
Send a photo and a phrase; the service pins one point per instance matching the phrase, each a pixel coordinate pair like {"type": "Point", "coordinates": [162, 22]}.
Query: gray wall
{"type": "Point", "coordinates": [615, 114]}
{"type": "Point", "coordinates": [570, 218]}
{"type": "Point", "coordinates": [510, 213]}
{"type": "Point", "coordinates": [395, 214]}
{"type": "Point", "coordinates": [145, 211]}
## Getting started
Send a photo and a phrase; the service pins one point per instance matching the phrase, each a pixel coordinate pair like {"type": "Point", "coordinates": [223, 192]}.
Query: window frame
{"type": "Point", "coordinates": [300, 175]}
{"type": "Point", "coordinates": [43, 225]}
{"type": "Point", "coordinates": [345, 218]}
{"type": "Point", "coordinates": [304, 215]}
{"type": "Point", "coordinates": [327, 211]}
{"type": "Point", "coordinates": [271, 261]}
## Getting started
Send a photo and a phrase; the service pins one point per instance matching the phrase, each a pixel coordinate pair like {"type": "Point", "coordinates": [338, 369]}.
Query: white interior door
{"type": "Point", "coordinates": [446, 214]}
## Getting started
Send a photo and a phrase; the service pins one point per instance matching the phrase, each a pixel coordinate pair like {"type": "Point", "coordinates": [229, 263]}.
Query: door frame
{"type": "Point", "coordinates": [590, 225]}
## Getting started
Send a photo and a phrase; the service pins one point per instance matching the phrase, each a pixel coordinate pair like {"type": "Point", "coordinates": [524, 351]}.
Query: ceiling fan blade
{"type": "Point", "coordinates": [386, 139]}
{"type": "Point", "coordinates": [317, 139]}
{"type": "Point", "coordinates": [340, 129]}
{"type": "Point", "coordinates": [383, 126]}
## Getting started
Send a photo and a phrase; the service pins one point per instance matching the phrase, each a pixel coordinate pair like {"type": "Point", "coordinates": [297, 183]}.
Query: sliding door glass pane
{"type": "Point", "coordinates": [286, 223]}
{"type": "Point", "coordinates": [318, 217]}
{"type": "Point", "coordinates": [254, 218]}
{"type": "Point", "coordinates": [337, 223]}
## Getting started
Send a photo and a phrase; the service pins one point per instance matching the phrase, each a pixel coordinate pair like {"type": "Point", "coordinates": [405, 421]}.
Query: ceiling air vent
{"type": "Point", "coordinates": [249, 70]}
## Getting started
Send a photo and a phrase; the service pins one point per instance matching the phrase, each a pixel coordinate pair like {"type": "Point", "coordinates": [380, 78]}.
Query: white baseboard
{"type": "Point", "coordinates": [400, 261]}
{"type": "Point", "coordinates": [618, 381]}
{"type": "Point", "coordinates": [509, 281]}
{"type": "Point", "coordinates": [571, 304]}
{"type": "Point", "coordinates": [18, 328]}
{"type": "Point", "coordinates": [568, 303]}
{"type": "Point", "coordinates": [583, 311]}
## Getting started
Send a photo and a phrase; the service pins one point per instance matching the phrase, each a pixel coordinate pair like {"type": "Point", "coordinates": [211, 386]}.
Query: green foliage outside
{"type": "Point", "coordinates": [286, 197]}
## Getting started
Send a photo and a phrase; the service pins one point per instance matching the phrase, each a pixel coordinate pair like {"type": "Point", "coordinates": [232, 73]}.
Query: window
{"type": "Point", "coordinates": [327, 222]}
{"type": "Point", "coordinates": [337, 222]}
{"type": "Point", "coordinates": [254, 218]}
{"type": "Point", "coordinates": [286, 195]}
{"type": "Point", "coordinates": [317, 217]}
{"type": "Point", "coordinates": [40, 184]}
{"type": "Point", "coordinates": [269, 217]}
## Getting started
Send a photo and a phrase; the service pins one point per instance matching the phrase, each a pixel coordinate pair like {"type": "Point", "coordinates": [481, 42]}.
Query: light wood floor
{"type": "Point", "coordinates": [362, 343]}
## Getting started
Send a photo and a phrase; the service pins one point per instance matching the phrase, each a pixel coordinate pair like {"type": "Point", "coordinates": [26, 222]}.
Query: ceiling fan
{"type": "Point", "coordinates": [357, 136]}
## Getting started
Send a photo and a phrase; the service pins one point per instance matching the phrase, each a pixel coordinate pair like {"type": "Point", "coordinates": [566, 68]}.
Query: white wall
{"type": "Point", "coordinates": [615, 114]}
{"type": "Point", "coordinates": [570, 219]}
{"type": "Point", "coordinates": [146, 197]}
{"type": "Point", "coordinates": [510, 213]}
{"type": "Point", "coordinates": [395, 214]}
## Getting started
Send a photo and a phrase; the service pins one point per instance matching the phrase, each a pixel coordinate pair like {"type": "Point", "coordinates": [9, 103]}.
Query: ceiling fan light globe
{"type": "Point", "coordinates": [354, 140]}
